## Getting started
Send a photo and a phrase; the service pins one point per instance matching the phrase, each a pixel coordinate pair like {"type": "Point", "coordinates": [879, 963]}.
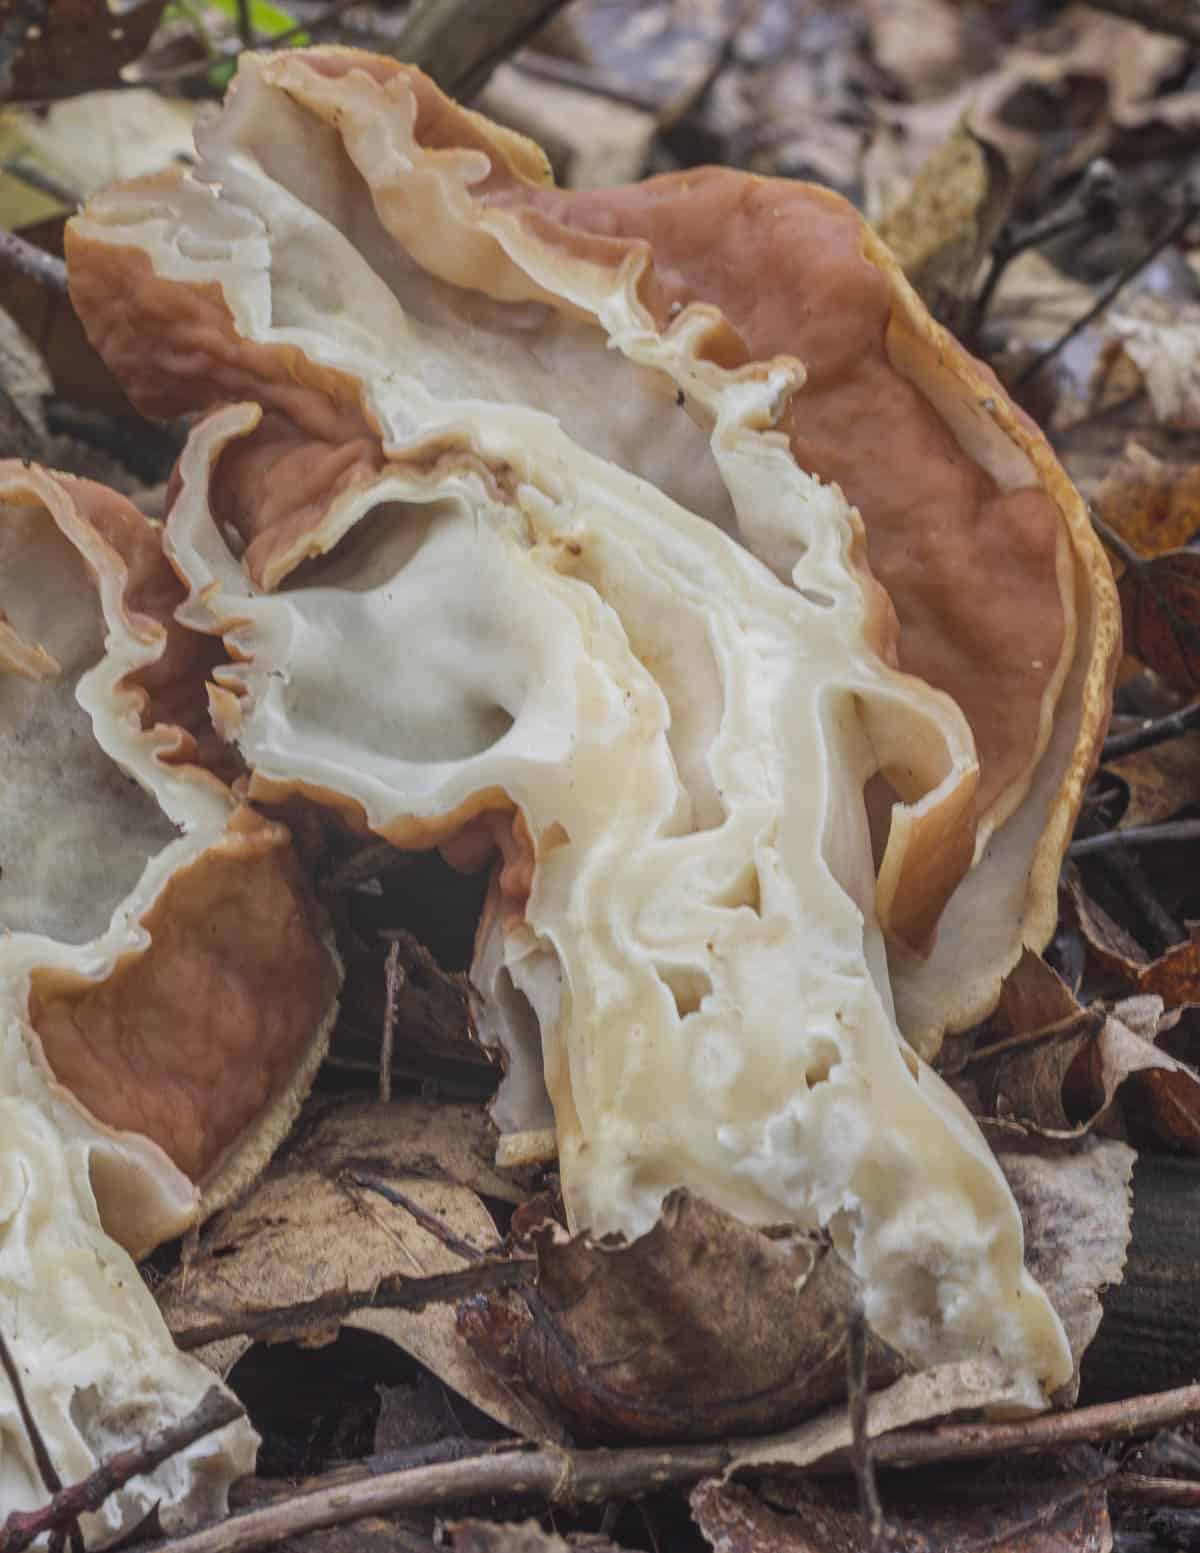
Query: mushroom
{"type": "Point", "coordinates": [166, 990]}
{"type": "Point", "coordinates": [538, 545]}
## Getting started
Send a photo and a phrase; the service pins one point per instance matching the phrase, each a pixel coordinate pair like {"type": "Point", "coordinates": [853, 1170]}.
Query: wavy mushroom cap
{"type": "Point", "coordinates": [166, 988]}
{"type": "Point", "coordinates": [485, 579]}
{"type": "Point", "coordinates": [364, 218]}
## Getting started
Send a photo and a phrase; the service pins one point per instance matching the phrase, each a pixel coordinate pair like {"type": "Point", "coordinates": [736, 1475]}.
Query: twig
{"type": "Point", "coordinates": [18, 167]}
{"type": "Point", "coordinates": [1153, 732]}
{"type": "Point", "coordinates": [1177, 18]}
{"type": "Point", "coordinates": [1175, 230]}
{"type": "Point", "coordinates": [1179, 1493]}
{"type": "Point", "coordinates": [861, 1451]}
{"type": "Point", "coordinates": [394, 978]}
{"type": "Point", "coordinates": [1085, 1021]}
{"type": "Point", "coordinates": [282, 1323]}
{"type": "Point", "coordinates": [550, 1476]}
{"type": "Point", "coordinates": [1090, 202]}
{"type": "Point", "coordinates": [51, 1481]}
{"type": "Point", "coordinates": [584, 78]}
{"type": "Point", "coordinates": [460, 42]}
{"type": "Point", "coordinates": [245, 24]}
{"type": "Point", "coordinates": [974, 1442]}
{"type": "Point", "coordinates": [426, 1220]}
{"type": "Point", "coordinates": [35, 262]}
{"type": "Point", "coordinates": [216, 1409]}
{"type": "Point", "coordinates": [1158, 928]}
{"type": "Point", "coordinates": [1136, 836]}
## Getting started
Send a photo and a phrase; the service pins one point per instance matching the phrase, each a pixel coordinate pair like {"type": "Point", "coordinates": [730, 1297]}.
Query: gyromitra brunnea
{"type": "Point", "coordinates": [532, 513]}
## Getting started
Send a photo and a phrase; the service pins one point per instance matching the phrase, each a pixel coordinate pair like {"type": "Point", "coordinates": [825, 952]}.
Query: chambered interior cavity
{"type": "Point", "coordinates": [75, 830]}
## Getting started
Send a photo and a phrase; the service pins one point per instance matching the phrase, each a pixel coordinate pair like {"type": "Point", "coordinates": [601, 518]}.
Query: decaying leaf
{"type": "Point", "coordinates": [1161, 780]}
{"type": "Point", "coordinates": [1153, 505]}
{"type": "Point", "coordinates": [311, 1227]}
{"type": "Point", "coordinates": [1162, 338]}
{"type": "Point", "coordinates": [56, 48]}
{"type": "Point", "coordinates": [947, 225]}
{"type": "Point", "coordinates": [1077, 1207]}
{"type": "Point", "coordinates": [701, 1328]}
{"type": "Point", "coordinates": [1160, 607]}
{"type": "Point", "coordinates": [963, 1387]}
{"type": "Point", "coordinates": [1015, 1509]}
{"type": "Point", "coordinates": [1114, 951]}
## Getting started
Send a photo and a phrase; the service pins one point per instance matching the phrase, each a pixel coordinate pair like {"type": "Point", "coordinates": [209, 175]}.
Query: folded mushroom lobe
{"type": "Point", "coordinates": [164, 953]}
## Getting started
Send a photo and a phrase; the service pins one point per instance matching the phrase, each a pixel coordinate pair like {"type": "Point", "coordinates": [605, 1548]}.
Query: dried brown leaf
{"type": "Point", "coordinates": [948, 223]}
{"type": "Point", "coordinates": [1161, 780]}
{"type": "Point", "coordinates": [1050, 1512]}
{"type": "Point", "coordinates": [1160, 609]}
{"type": "Point", "coordinates": [1161, 336]}
{"type": "Point", "coordinates": [1154, 505]}
{"type": "Point", "coordinates": [307, 1230]}
{"type": "Point", "coordinates": [62, 47]}
{"type": "Point", "coordinates": [1110, 947]}
{"type": "Point", "coordinates": [1076, 1203]}
{"type": "Point", "coordinates": [703, 1327]}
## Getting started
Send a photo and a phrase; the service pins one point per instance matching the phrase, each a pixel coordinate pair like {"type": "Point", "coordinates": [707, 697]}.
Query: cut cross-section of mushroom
{"type": "Point", "coordinates": [166, 989]}
{"type": "Point", "coordinates": [365, 220]}
{"type": "Point", "coordinates": [527, 535]}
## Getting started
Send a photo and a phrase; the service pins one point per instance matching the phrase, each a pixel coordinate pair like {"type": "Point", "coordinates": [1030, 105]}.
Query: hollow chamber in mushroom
{"type": "Point", "coordinates": [505, 555]}
{"type": "Point", "coordinates": [165, 993]}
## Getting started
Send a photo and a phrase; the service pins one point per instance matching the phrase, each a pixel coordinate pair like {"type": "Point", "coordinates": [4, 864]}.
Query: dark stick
{"type": "Point", "coordinates": [460, 42]}
{"type": "Point", "coordinates": [860, 1449]}
{"type": "Point", "coordinates": [427, 1221]}
{"type": "Point", "coordinates": [394, 978]}
{"type": "Point", "coordinates": [1176, 229]}
{"type": "Point", "coordinates": [1136, 836]}
{"type": "Point", "coordinates": [282, 1323]}
{"type": "Point", "coordinates": [216, 1409]}
{"type": "Point", "coordinates": [33, 261]}
{"type": "Point", "coordinates": [46, 1469]}
{"type": "Point", "coordinates": [1151, 733]}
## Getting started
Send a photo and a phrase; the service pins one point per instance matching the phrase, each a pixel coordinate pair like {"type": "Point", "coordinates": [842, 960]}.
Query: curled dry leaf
{"type": "Point", "coordinates": [388, 463]}
{"type": "Point", "coordinates": [1154, 505]}
{"type": "Point", "coordinates": [1161, 780]}
{"type": "Point", "coordinates": [701, 1328]}
{"type": "Point", "coordinates": [949, 221]}
{"type": "Point", "coordinates": [68, 46]}
{"type": "Point", "coordinates": [1020, 1510]}
{"type": "Point", "coordinates": [1160, 605]}
{"type": "Point", "coordinates": [1162, 339]}
{"type": "Point", "coordinates": [312, 1228]}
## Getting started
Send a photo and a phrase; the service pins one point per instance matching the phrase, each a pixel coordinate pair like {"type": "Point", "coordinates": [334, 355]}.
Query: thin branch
{"type": "Point", "coordinates": [1176, 1493]}
{"type": "Point", "coordinates": [216, 1409]}
{"type": "Point", "coordinates": [861, 1449]}
{"type": "Point", "coordinates": [41, 1455]}
{"type": "Point", "coordinates": [245, 24]}
{"type": "Point", "coordinates": [377, 857]}
{"type": "Point", "coordinates": [1136, 836]}
{"type": "Point", "coordinates": [1153, 732]}
{"type": "Point", "coordinates": [1175, 230]}
{"type": "Point", "coordinates": [394, 978]}
{"type": "Point", "coordinates": [284, 1322]}
{"type": "Point", "coordinates": [549, 1476]}
{"type": "Point", "coordinates": [45, 183]}
{"type": "Point", "coordinates": [426, 1220]}
{"type": "Point", "coordinates": [974, 1442]}
{"type": "Point", "coordinates": [35, 262]}
{"type": "Point", "coordinates": [1085, 1021]}
{"type": "Point", "coordinates": [460, 42]}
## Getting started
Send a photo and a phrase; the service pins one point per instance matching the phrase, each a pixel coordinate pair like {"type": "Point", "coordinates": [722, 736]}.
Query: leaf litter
{"type": "Point", "coordinates": [623, 1343]}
